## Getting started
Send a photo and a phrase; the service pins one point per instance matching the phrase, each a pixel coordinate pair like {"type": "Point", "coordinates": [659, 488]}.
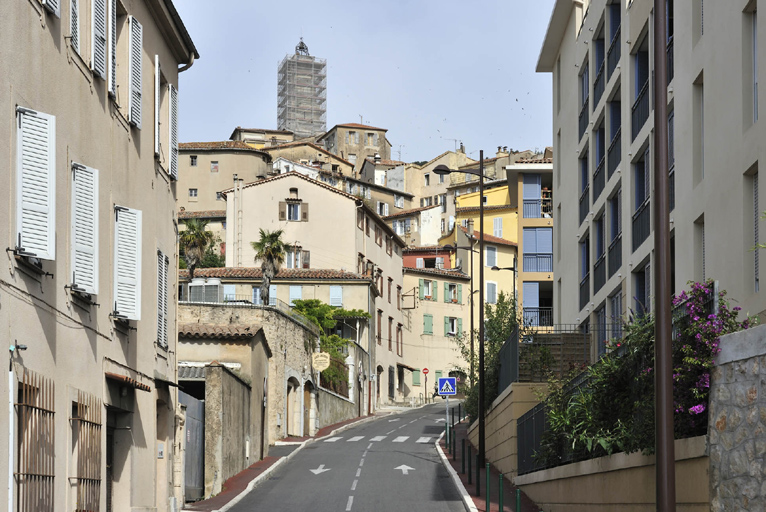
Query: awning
{"type": "Point", "coordinates": [410, 368]}
{"type": "Point", "coordinates": [127, 380]}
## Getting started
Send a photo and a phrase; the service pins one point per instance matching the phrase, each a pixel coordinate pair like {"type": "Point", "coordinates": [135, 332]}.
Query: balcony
{"type": "Point", "coordinates": [615, 255]}
{"type": "Point", "coordinates": [538, 317]}
{"type": "Point", "coordinates": [584, 204]}
{"type": "Point", "coordinates": [538, 262]}
{"type": "Point", "coordinates": [641, 224]}
{"type": "Point", "coordinates": [670, 59]}
{"type": "Point", "coordinates": [538, 208]}
{"type": "Point", "coordinates": [599, 274]}
{"type": "Point", "coordinates": [583, 118]}
{"type": "Point", "coordinates": [584, 291]}
{"type": "Point", "coordinates": [640, 111]}
{"type": "Point", "coordinates": [599, 180]}
{"type": "Point", "coordinates": [614, 154]}
{"type": "Point", "coordinates": [613, 55]}
{"type": "Point", "coordinates": [599, 85]}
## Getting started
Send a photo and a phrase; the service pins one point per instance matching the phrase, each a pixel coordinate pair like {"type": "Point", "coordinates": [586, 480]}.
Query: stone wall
{"type": "Point", "coordinates": [333, 408]}
{"type": "Point", "coordinates": [737, 430]}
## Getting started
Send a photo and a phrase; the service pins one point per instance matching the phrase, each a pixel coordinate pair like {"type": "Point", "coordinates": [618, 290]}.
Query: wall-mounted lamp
{"type": "Point", "coordinates": [14, 348]}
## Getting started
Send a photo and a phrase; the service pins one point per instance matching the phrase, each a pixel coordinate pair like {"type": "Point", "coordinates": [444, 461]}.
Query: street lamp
{"type": "Point", "coordinates": [444, 170]}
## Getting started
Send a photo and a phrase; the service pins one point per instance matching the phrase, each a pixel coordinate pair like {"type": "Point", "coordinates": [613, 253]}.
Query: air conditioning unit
{"type": "Point", "coordinates": [205, 290]}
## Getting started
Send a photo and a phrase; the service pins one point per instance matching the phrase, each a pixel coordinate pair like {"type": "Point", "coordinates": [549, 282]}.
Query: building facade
{"type": "Point", "coordinates": [356, 142]}
{"type": "Point", "coordinates": [88, 293]}
{"type": "Point", "coordinates": [302, 94]}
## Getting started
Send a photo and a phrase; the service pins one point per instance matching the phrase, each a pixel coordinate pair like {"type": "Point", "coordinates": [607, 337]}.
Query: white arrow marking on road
{"type": "Point", "coordinates": [395, 419]}
{"type": "Point", "coordinates": [440, 420]}
{"type": "Point", "coordinates": [354, 439]}
{"type": "Point", "coordinates": [332, 439]}
{"type": "Point", "coordinates": [423, 439]}
{"type": "Point", "coordinates": [401, 439]}
{"type": "Point", "coordinates": [405, 469]}
{"type": "Point", "coordinates": [377, 438]}
{"type": "Point", "coordinates": [320, 469]}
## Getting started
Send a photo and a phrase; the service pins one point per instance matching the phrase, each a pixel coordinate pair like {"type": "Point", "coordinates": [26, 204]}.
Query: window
{"type": "Point", "coordinates": [214, 166]}
{"type": "Point", "coordinates": [615, 214]}
{"type": "Point", "coordinates": [584, 179]}
{"type": "Point", "coordinates": [497, 227]}
{"type": "Point", "coordinates": [86, 452]}
{"type": "Point", "coordinates": [399, 340]}
{"type": "Point", "coordinates": [163, 267]}
{"type": "Point", "coordinates": [336, 296]}
{"type": "Point", "coordinates": [257, 295]}
{"type": "Point", "coordinates": [491, 293]}
{"type": "Point", "coordinates": [584, 85]}
{"type": "Point", "coordinates": [643, 290]}
{"type": "Point", "coordinates": [380, 326]}
{"type": "Point", "coordinates": [352, 159]}
{"type": "Point", "coordinates": [428, 324]}
{"type": "Point", "coordinates": [538, 250]}
{"type": "Point", "coordinates": [219, 196]}
{"type": "Point", "coordinates": [372, 139]}
{"type": "Point", "coordinates": [390, 283]}
{"type": "Point", "coordinates": [293, 258]}
{"type": "Point", "coordinates": [272, 295]}
{"type": "Point", "coordinates": [193, 192]}
{"type": "Point", "coordinates": [615, 308]}
{"type": "Point", "coordinates": [441, 178]}
{"type": "Point", "coordinates": [296, 292]}
{"type": "Point", "coordinates": [452, 292]}
{"type": "Point", "coordinates": [452, 326]}
{"type": "Point", "coordinates": [598, 227]}
{"type": "Point", "coordinates": [584, 258]}
{"type": "Point", "coordinates": [352, 137]}
{"type": "Point", "coordinates": [641, 174]}
{"type": "Point", "coordinates": [443, 201]}
{"type": "Point", "coordinates": [382, 208]}
{"type": "Point", "coordinates": [427, 289]}
{"type": "Point", "coordinates": [398, 201]}
{"type": "Point", "coordinates": [390, 332]}
{"type": "Point", "coordinates": [398, 297]}
{"type": "Point", "coordinates": [367, 225]}
{"type": "Point", "coordinates": [389, 245]}
{"type": "Point", "coordinates": [427, 180]}
{"type": "Point", "coordinates": [127, 263]}
{"type": "Point", "coordinates": [84, 256]}
{"type": "Point", "coordinates": [294, 211]}
{"type": "Point", "coordinates": [490, 256]}
{"type": "Point", "coordinates": [36, 184]}
{"type": "Point", "coordinates": [135, 66]}
{"type": "Point", "coordinates": [379, 236]}
{"type": "Point", "coordinates": [193, 160]}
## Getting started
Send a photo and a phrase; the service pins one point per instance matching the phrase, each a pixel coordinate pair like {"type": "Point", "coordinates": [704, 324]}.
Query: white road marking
{"type": "Point", "coordinates": [389, 433]}
{"type": "Point", "coordinates": [354, 439]}
{"type": "Point", "coordinates": [378, 438]}
{"type": "Point", "coordinates": [350, 502]}
{"type": "Point", "coordinates": [319, 470]}
{"type": "Point", "coordinates": [413, 421]}
{"type": "Point", "coordinates": [358, 472]}
{"type": "Point", "coordinates": [332, 439]}
{"type": "Point", "coordinates": [369, 446]}
{"type": "Point", "coordinates": [423, 439]}
{"type": "Point", "coordinates": [353, 486]}
{"type": "Point", "coordinates": [405, 469]}
{"type": "Point", "coordinates": [361, 463]}
{"type": "Point", "coordinates": [401, 439]}
{"type": "Point", "coordinates": [364, 454]}
{"type": "Point", "coordinates": [395, 419]}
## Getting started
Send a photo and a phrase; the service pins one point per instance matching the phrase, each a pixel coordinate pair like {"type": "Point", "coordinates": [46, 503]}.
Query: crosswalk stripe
{"type": "Point", "coordinates": [378, 438]}
{"type": "Point", "coordinates": [354, 439]}
{"type": "Point", "coordinates": [423, 439]}
{"type": "Point", "coordinates": [332, 439]}
{"type": "Point", "coordinates": [401, 439]}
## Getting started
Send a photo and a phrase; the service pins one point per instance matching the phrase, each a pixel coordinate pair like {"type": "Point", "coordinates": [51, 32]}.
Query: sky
{"type": "Point", "coordinates": [433, 72]}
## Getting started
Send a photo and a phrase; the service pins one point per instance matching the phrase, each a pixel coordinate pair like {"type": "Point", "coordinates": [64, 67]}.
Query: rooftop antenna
{"type": "Point", "coordinates": [400, 151]}
{"type": "Point", "coordinates": [361, 119]}
{"type": "Point", "coordinates": [453, 140]}
{"type": "Point", "coordinates": [302, 48]}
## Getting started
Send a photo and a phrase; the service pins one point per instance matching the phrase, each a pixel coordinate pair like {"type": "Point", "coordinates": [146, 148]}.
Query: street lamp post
{"type": "Point", "coordinates": [442, 170]}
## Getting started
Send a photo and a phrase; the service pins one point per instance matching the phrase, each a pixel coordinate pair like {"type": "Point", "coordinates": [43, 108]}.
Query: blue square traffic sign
{"type": "Point", "coordinates": [447, 386]}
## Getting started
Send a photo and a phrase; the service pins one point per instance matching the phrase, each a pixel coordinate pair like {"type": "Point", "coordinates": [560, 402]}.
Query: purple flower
{"type": "Point", "coordinates": [697, 409]}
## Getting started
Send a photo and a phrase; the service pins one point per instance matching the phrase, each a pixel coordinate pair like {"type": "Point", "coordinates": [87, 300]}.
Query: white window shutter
{"type": "Point", "coordinates": [173, 92]}
{"type": "Point", "coordinates": [136, 51]}
{"type": "Point", "coordinates": [85, 228]}
{"type": "Point", "coordinates": [157, 105]}
{"type": "Point", "coordinates": [272, 295]}
{"type": "Point", "coordinates": [53, 6]}
{"type": "Point", "coordinates": [113, 47]}
{"type": "Point", "coordinates": [99, 49]}
{"type": "Point", "coordinates": [127, 263]}
{"type": "Point", "coordinates": [36, 184]}
{"type": "Point", "coordinates": [74, 24]}
{"type": "Point", "coordinates": [385, 209]}
{"type": "Point", "coordinates": [419, 263]}
{"type": "Point", "coordinates": [162, 299]}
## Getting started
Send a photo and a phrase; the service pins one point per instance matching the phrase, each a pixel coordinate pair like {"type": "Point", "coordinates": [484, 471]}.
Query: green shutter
{"type": "Point", "coordinates": [460, 293]}
{"type": "Point", "coordinates": [438, 376]}
{"type": "Point", "coordinates": [422, 290]}
{"type": "Point", "coordinates": [428, 324]}
{"type": "Point", "coordinates": [459, 325]}
{"type": "Point", "coordinates": [416, 377]}
{"type": "Point", "coordinates": [446, 325]}
{"type": "Point", "coordinates": [446, 292]}
{"type": "Point", "coordinates": [434, 290]}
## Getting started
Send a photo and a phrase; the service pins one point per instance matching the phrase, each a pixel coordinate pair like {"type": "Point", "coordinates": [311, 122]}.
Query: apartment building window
{"type": "Point", "coordinates": [601, 332]}
{"type": "Point", "coordinates": [257, 299]}
{"type": "Point", "coordinates": [641, 186]}
{"type": "Point", "coordinates": [443, 201]}
{"type": "Point", "coordinates": [497, 227]}
{"type": "Point", "coordinates": [584, 187]}
{"type": "Point", "coordinates": [294, 212]}
{"type": "Point", "coordinates": [380, 327]}
{"type": "Point", "coordinates": [642, 280]}
{"type": "Point", "coordinates": [400, 344]}
{"type": "Point", "coordinates": [427, 180]}
{"type": "Point", "coordinates": [615, 232]}
{"type": "Point", "coordinates": [538, 250]}
{"type": "Point", "coordinates": [615, 309]}
{"type": "Point", "coordinates": [193, 160]}
{"type": "Point", "coordinates": [441, 178]}
{"type": "Point", "coordinates": [336, 296]}
{"type": "Point", "coordinates": [398, 297]}
{"type": "Point", "coordinates": [599, 174]}
{"type": "Point", "coordinates": [214, 166]}
{"type": "Point", "coordinates": [382, 208]}
{"type": "Point", "coordinates": [127, 263]}
{"type": "Point", "coordinates": [427, 289]}
{"type": "Point", "coordinates": [452, 326]}
{"type": "Point", "coordinates": [163, 268]}
{"type": "Point", "coordinates": [490, 256]}
{"type": "Point", "coordinates": [398, 201]}
{"type": "Point", "coordinates": [389, 245]}
{"type": "Point", "coordinates": [367, 225]}
{"type": "Point", "coordinates": [584, 94]}
{"type": "Point", "coordinates": [641, 107]}
{"type": "Point", "coordinates": [352, 137]}
{"type": "Point", "coordinates": [584, 271]}
{"type": "Point", "coordinates": [453, 293]}
{"type": "Point", "coordinates": [193, 193]}
{"type": "Point", "coordinates": [379, 236]}
{"type": "Point", "coordinates": [599, 268]}
{"type": "Point", "coordinates": [491, 290]}
{"type": "Point", "coordinates": [390, 332]}
{"type": "Point", "coordinates": [372, 139]}
{"type": "Point", "coordinates": [390, 283]}
{"type": "Point", "coordinates": [428, 324]}
{"type": "Point", "coordinates": [671, 161]}
{"type": "Point", "coordinates": [84, 255]}
{"type": "Point", "coordinates": [296, 293]}
{"type": "Point", "coordinates": [599, 55]}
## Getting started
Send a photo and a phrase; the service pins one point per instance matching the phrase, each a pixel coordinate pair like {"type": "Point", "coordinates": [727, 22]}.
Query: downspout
{"type": "Point", "coordinates": [188, 64]}
{"type": "Point", "coordinates": [10, 437]}
{"type": "Point", "coordinates": [371, 345]}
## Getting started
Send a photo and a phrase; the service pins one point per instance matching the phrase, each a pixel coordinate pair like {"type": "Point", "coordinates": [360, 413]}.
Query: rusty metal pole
{"type": "Point", "coordinates": [481, 310]}
{"type": "Point", "coordinates": [665, 475]}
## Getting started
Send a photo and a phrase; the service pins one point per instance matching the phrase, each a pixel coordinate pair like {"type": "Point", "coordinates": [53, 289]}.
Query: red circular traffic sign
{"type": "Point", "coordinates": [425, 371]}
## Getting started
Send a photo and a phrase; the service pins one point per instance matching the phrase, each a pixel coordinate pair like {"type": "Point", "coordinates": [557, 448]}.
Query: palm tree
{"type": "Point", "coordinates": [270, 249]}
{"type": "Point", "coordinates": [194, 240]}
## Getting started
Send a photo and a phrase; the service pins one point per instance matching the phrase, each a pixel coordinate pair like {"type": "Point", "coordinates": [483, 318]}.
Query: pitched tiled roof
{"type": "Point", "coordinates": [424, 248]}
{"type": "Point", "coordinates": [535, 160]}
{"type": "Point", "coordinates": [217, 146]}
{"type": "Point", "coordinates": [412, 211]}
{"type": "Point", "coordinates": [361, 126]}
{"type": "Point", "coordinates": [444, 272]}
{"type": "Point", "coordinates": [217, 332]}
{"type": "Point", "coordinates": [493, 208]}
{"type": "Point", "coordinates": [309, 144]}
{"type": "Point", "coordinates": [284, 273]}
{"type": "Point", "coordinates": [203, 214]}
{"type": "Point", "coordinates": [490, 238]}
{"type": "Point", "coordinates": [384, 161]}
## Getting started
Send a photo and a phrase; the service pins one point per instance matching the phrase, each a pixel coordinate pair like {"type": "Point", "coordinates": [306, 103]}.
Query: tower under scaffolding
{"type": "Point", "coordinates": [302, 93]}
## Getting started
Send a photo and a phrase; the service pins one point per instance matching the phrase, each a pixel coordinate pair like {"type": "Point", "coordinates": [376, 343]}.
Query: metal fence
{"type": "Point", "coordinates": [613, 55]}
{"type": "Point", "coordinates": [641, 224]}
{"type": "Point", "coordinates": [599, 180]}
{"type": "Point", "coordinates": [584, 203]}
{"type": "Point", "coordinates": [640, 111]}
{"type": "Point", "coordinates": [599, 85]}
{"type": "Point", "coordinates": [614, 154]}
{"type": "Point", "coordinates": [583, 120]}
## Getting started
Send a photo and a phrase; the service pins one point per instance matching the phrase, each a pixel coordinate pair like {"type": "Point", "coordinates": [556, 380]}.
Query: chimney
{"type": "Point", "coordinates": [462, 148]}
{"type": "Point", "coordinates": [377, 158]}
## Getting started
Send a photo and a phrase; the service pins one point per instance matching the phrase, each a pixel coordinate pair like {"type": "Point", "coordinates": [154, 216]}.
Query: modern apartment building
{"type": "Point", "coordinates": [302, 93]}
{"type": "Point", "coordinates": [600, 55]}
{"type": "Point", "coordinates": [89, 137]}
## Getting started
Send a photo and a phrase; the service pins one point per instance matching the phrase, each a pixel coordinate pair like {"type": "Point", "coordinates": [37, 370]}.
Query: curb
{"type": "Point", "coordinates": [470, 506]}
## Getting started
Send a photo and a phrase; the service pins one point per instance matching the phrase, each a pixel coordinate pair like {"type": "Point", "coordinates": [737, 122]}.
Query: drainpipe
{"type": "Point", "coordinates": [10, 438]}
{"type": "Point", "coordinates": [370, 346]}
{"type": "Point", "coordinates": [188, 64]}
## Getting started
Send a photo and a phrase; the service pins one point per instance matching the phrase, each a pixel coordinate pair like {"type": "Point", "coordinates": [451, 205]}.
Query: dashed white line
{"type": "Point", "coordinates": [369, 446]}
{"type": "Point", "coordinates": [354, 439]}
{"type": "Point", "coordinates": [350, 502]}
{"type": "Point", "coordinates": [361, 463]}
{"type": "Point", "coordinates": [401, 439]}
{"type": "Point", "coordinates": [413, 421]}
{"type": "Point", "coordinates": [423, 439]}
{"type": "Point", "coordinates": [389, 433]}
{"type": "Point", "coordinates": [358, 472]}
{"type": "Point", "coordinates": [353, 486]}
{"type": "Point", "coordinates": [332, 439]}
{"type": "Point", "coordinates": [364, 454]}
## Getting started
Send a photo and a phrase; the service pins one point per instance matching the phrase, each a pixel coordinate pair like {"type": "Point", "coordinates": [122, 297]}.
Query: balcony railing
{"type": "Point", "coordinates": [599, 274]}
{"type": "Point", "coordinates": [599, 85]}
{"type": "Point", "coordinates": [615, 255]}
{"type": "Point", "coordinates": [641, 224]}
{"type": "Point", "coordinates": [599, 180]}
{"type": "Point", "coordinates": [584, 291]}
{"type": "Point", "coordinates": [670, 60]}
{"type": "Point", "coordinates": [672, 188]}
{"type": "Point", "coordinates": [584, 204]}
{"type": "Point", "coordinates": [640, 110]}
{"type": "Point", "coordinates": [613, 55]}
{"type": "Point", "coordinates": [532, 208]}
{"type": "Point", "coordinates": [538, 262]}
{"type": "Point", "coordinates": [614, 155]}
{"type": "Point", "coordinates": [538, 317]}
{"type": "Point", "coordinates": [583, 118]}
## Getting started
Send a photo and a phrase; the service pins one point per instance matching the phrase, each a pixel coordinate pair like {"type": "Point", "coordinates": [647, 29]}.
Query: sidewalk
{"type": "Point", "coordinates": [469, 490]}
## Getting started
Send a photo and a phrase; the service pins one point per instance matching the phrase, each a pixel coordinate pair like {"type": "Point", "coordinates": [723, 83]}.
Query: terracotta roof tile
{"type": "Point", "coordinates": [412, 211]}
{"type": "Point", "coordinates": [203, 214]}
{"type": "Point", "coordinates": [217, 145]}
{"type": "Point", "coordinates": [455, 274]}
{"type": "Point", "coordinates": [490, 238]}
{"type": "Point", "coordinates": [361, 126]}
{"type": "Point", "coordinates": [219, 332]}
{"type": "Point", "coordinates": [285, 273]}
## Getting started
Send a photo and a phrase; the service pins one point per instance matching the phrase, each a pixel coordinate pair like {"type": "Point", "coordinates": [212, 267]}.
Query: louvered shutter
{"type": "Point", "coordinates": [434, 290]}
{"type": "Point", "coordinates": [460, 294]}
{"type": "Point", "coordinates": [162, 299]}
{"type": "Point", "coordinates": [113, 47]}
{"type": "Point", "coordinates": [85, 228]}
{"type": "Point", "coordinates": [157, 76]}
{"type": "Point", "coordinates": [136, 51]}
{"type": "Point", "coordinates": [99, 48]}
{"type": "Point", "coordinates": [304, 208]}
{"type": "Point", "coordinates": [127, 263]}
{"type": "Point", "coordinates": [296, 292]}
{"type": "Point", "coordinates": [446, 325]}
{"type": "Point", "coordinates": [422, 289]}
{"type": "Point", "coordinates": [336, 296]}
{"type": "Point", "coordinates": [53, 6]}
{"type": "Point", "coordinates": [531, 294]}
{"type": "Point", "coordinates": [459, 325]}
{"type": "Point", "coordinates": [36, 184]}
{"type": "Point", "coordinates": [272, 295]}
{"type": "Point", "coordinates": [446, 293]}
{"type": "Point", "coordinates": [173, 132]}
{"type": "Point", "coordinates": [498, 227]}
{"type": "Point", "coordinates": [74, 24]}
{"type": "Point", "coordinates": [385, 209]}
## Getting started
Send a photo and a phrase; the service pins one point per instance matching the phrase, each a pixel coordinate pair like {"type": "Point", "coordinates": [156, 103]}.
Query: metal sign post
{"type": "Point", "coordinates": [447, 386]}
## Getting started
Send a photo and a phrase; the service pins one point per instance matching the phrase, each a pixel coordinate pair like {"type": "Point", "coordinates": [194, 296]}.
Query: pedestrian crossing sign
{"type": "Point", "coordinates": [447, 386]}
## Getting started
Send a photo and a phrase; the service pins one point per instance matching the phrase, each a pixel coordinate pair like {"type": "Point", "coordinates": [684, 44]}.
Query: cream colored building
{"type": "Point", "coordinates": [601, 57]}
{"type": "Point", "coordinates": [89, 137]}
{"type": "Point", "coordinates": [260, 138]}
{"type": "Point", "coordinates": [308, 153]}
{"type": "Point", "coordinates": [417, 226]}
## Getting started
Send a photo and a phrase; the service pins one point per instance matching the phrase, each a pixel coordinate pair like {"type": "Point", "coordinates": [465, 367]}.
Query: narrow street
{"type": "Point", "coordinates": [389, 463]}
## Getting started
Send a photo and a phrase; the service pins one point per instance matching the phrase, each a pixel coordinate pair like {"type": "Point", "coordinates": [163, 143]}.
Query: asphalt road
{"type": "Point", "coordinates": [387, 464]}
